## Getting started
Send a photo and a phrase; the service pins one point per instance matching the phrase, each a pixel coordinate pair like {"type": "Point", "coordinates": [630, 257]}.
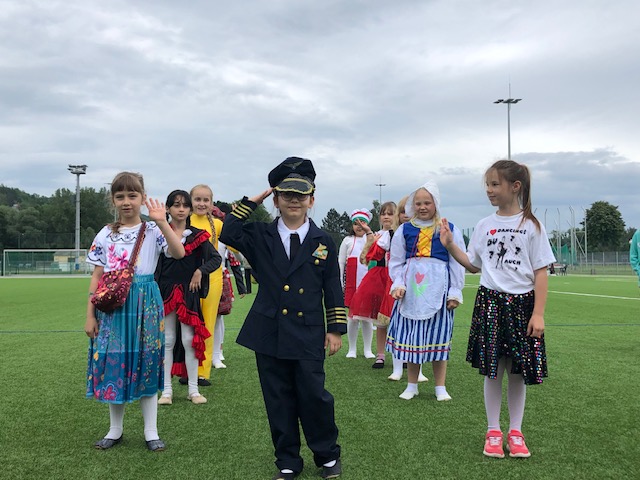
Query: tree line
{"type": "Point", "coordinates": [29, 221]}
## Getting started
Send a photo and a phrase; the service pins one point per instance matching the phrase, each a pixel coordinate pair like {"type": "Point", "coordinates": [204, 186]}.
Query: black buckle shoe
{"type": "Point", "coordinates": [332, 472]}
{"type": "Point", "coordinates": [106, 443]}
{"type": "Point", "coordinates": [156, 445]}
{"type": "Point", "coordinates": [284, 476]}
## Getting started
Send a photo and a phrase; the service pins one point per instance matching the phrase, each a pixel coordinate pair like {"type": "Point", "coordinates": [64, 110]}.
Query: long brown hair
{"type": "Point", "coordinates": [125, 182]}
{"type": "Point", "coordinates": [517, 172]}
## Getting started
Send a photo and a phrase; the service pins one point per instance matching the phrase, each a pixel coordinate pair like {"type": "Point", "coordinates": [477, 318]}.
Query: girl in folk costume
{"type": "Point", "coordinates": [511, 250]}
{"type": "Point", "coordinates": [367, 300]}
{"type": "Point", "coordinates": [202, 198]}
{"type": "Point", "coordinates": [351, 273]}
{"type": "Point", "coordinates": [427, 286]}
{"type": "Point", "coordinates": [126, 348]}
{"type": "Point", "coordinates": [386, 307]}
{"type": "Point", "coordinates": [182, 284]}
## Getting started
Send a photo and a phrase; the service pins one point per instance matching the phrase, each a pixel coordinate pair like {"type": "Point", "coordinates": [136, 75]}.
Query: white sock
{"type": "Point", "coordinates": [116, 420]}
{"type": "Point", "coordinates": [367, 338]}
{"type": "Point", "coordinates": [397, 367]}
{"type": "Point", "coordinates": [169, 343]}
{"type": "Point", "coordinates": [412, 387]}
{"type": "Point", "coordinates": [493, 397]}
{"type": "Point", "coordinates": [441, 390]}
{"type": "Point", "coordinates": [352, 336]}
{"type": "Point", "coordinates": [516, 398]}
{"type": "Point", "coordinates": [149, 407]}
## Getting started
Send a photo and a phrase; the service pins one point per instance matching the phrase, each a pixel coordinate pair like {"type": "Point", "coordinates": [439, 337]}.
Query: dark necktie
{"type": "Point", "coordinates": [294, 245]}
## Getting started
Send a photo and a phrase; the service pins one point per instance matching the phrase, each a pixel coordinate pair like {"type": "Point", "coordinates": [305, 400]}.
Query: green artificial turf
{"type": "Point", "coordinates": [581, 423]}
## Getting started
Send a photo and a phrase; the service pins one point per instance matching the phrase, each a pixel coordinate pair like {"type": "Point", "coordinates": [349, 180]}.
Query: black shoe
{"type": "Point", "coordinates": [105, 443]}
{"type": "Point", "coordinates": [284, 476]}
{"type": "Point", "coordinates": [405, 365]}
{"type": "Point", "coordinates": [184, 381]}
{"type": "Point", "coordinates": [203, 382]}
{"type": "Point", "coordinates": [332, 472]}
{"type": "Point", "coordinates": [379, 363]}
{"type": "Point", "coordinates": [156, 445]}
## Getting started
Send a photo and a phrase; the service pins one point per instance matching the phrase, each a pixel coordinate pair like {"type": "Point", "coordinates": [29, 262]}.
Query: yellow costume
{"type": "Point", "coordinates": [210, 304]}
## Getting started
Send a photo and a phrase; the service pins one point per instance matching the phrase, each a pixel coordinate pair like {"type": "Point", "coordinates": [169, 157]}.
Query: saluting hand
{"type": "Point", "coordinates": [258, 199]}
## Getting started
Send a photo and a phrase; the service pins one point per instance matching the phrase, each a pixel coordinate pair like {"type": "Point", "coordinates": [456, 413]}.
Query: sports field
{"type": "Point", "coordinates": [583, 422]}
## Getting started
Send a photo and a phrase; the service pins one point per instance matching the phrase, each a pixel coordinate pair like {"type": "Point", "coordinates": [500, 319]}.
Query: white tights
{"type": "Point", "coordinates": [367, 336]}
{"type": "Point", "coordinates": [516, 396]}
{"type": "Point", "coordinates": [218, 339]}
{"type": "Point", "coordinates": [190, 359]}
{"type": "Point", "coordinates": [149, 407]}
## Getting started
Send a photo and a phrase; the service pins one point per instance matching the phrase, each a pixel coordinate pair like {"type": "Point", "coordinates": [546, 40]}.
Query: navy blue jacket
{"type": "Point", "coordinates": [287, 319]}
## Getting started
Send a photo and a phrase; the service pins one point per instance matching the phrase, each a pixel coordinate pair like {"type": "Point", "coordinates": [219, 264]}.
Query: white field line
{"type": "Point", "coordinates": [582, 294]}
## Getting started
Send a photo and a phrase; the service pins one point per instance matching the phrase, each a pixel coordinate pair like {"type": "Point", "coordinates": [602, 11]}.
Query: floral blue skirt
{"type": "Point", "coordinates": [125, 359]}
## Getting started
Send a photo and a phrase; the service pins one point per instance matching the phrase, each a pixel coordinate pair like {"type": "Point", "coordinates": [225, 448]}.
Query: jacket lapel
{"type": "Point", "coordinates": [276, 249]}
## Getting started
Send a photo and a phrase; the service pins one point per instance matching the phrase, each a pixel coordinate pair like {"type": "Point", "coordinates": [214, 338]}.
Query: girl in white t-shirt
{"type": "Point", "coordinates": [512, 251]}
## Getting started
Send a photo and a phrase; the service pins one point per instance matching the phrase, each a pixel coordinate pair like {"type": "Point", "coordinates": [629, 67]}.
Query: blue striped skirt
{"type": "Point", "coordinates": [125, 359]}
{"type": "Point", "coordinates": [420, 341]}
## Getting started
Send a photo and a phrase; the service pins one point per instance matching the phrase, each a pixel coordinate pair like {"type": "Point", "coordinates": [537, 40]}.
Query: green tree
{"type": "Point", "coordinates": [605, 227]}
{"type": "Point", "coordinates": [375, 216]}
{"type": "Point", "coordinates": [334, 224]}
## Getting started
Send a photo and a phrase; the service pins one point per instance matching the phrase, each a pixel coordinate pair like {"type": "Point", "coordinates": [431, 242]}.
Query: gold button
{"type": "Point", "coordinates": [301, 291]}
{"type": "Point", "coordinates": [300, 314]}
{"type": "Point", "coordinates": [286, 288]}
{"type": "Point", "coordinates": [317, 262]}
{"type": "Point", "coordinates": [285, 311]}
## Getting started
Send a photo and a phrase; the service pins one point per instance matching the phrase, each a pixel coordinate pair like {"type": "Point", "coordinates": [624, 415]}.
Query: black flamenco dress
{"type": "Point", "coordinates": [173, 277]}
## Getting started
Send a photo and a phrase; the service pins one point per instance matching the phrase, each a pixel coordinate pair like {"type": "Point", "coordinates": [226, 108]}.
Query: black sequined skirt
{"type": "Point", "coordinates": [499, 329]}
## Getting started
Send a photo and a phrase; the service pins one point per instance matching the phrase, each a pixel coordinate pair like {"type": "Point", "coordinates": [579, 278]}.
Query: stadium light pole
{"type": "Point", "coordinates": [508, 102]}
{"type": "Point", "coordinates": [77, 170]}
{"type": "Point", "coordinates": [380, 198]}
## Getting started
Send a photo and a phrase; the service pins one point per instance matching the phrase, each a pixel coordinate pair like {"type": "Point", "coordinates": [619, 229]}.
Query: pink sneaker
{"type": "Point", "coordinates": [516, 445]}
{"type": "Point", "coordinates": [493, 444]}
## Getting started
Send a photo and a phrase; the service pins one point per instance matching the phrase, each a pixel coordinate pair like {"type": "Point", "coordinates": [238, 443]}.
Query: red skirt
{"type": "Point", "coordinates": [384, 315]}
{"type": "Point", "coordinates": [368, 298]}
{"type": "Point", "coordinates": [350, 276]}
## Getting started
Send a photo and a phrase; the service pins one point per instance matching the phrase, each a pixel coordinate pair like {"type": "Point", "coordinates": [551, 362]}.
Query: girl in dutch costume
{"type": "Point", "coordinates": [126, 347]}
{"type": "Point", "coordinates": [427, 285]}
{"type": "Point", "coordinates": [182, 284]}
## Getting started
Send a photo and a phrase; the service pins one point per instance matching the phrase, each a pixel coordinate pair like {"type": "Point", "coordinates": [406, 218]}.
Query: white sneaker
{"type": "Point", "coordinates": [395, 376]}
{"type": "Point", "coordinates": [443, 397]}
{"type": "Point", "coordinates": [165, 400]}
{"type": "Point", "coordinates": [422, 378]}
{"type": "Point", "coordinates": [369, 355]}
{"type": "Point", "coordinates": [351, 355]}
{"type": "Point", "coordinates": [219, 365]}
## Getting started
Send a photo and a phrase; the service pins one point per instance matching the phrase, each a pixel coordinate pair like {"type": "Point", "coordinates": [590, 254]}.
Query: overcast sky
{"type": "Point", "coordinates": [376, 91]}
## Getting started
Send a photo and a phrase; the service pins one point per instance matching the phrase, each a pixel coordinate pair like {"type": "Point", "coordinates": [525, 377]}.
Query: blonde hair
{"type": "Point", "coordinates": [214, 236]}
{"type": "Point", "coordinates": [125, 182]}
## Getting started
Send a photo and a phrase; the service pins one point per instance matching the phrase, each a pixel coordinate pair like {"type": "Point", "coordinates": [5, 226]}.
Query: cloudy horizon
{"type": "Point", "coordinates": [372, 92]}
